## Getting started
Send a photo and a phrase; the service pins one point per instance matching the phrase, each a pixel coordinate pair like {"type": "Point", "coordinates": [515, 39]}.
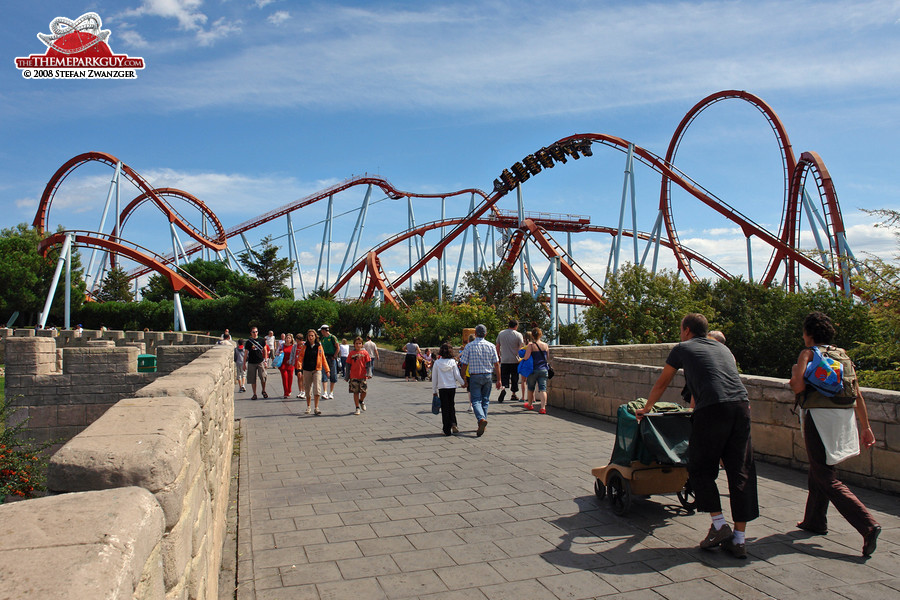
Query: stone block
{"type": "Point", "coordinates": [891, 436]}
{"type": "Point", "coordinates": [772, 440]}
{"type": "Point", "coordinates": [152, 586]}
{"type": "Point", "coordinates": [172, 496]}
{"type": "Point", "coordinates": [74, 546]}
{"type": "Point", "coordinates": [136, 442]}
{"type": "Point", "coordinates": [886, 463]}
{"type": "Point", "coordinates": [71, 415]}
{"type": "Point", "coordinates": [177, 543]}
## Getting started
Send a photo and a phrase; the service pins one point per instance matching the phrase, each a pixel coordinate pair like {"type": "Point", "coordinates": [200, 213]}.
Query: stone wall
{"type": "Point", "coordinates": [63, 390]}
{"type": "Point", "coordinates": [147, 341]}
{"type": "Point", "coordinates": [588, 381]}
{"type": "Point", "coordinates": [159, 535]}
{"type": "Point", "coordinates": [597, 388]}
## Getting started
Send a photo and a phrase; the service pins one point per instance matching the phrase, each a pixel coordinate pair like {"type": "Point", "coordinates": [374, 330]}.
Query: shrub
{"type": "Point", "coordinates": [23, 466]}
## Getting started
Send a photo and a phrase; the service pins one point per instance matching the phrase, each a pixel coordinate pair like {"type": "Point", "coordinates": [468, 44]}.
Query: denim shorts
{"type": "Point", "coordinates": [538, 378]}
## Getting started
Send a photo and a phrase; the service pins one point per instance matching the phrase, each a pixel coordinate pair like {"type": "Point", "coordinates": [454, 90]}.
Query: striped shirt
{"type": "Point", "coordinates": [480, 355]}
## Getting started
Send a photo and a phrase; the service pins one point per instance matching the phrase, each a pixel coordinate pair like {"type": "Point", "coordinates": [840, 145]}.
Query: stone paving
{"type": "Point", "coordinates": [383, 505]}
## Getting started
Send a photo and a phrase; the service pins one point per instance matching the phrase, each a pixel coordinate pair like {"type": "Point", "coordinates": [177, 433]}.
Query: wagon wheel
{"type": "Point", "coordinates": [599, 489]}
{"type": "Point", "coordinates": [687, 497]}
{"type": "Point", "coordinates": [619, 491]}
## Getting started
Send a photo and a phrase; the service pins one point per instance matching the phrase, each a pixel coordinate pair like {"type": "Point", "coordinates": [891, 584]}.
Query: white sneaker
{"type": "Point", "coordinates": [357, 412]}
{"type": "Point", "coordinates": [308, 410]}
{"type": "Point", "coordinates": [331, 395]}
{"type": "Point", "coordinates": [301, 395]}
{"type": "Point", "coordinates": [362, 405]}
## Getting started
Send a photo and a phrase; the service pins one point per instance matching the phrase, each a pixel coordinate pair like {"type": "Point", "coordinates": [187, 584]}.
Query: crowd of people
{"type": "Point", "coordinates": [315, 359]}
{"type": "Point", "coordinates": [721, 421]}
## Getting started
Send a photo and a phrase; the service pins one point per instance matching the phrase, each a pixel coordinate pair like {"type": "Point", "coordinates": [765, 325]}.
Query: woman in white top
{"type": "Point", "coordinates": [831, 436]}
{"type": "Point", "coordinates": [344, 347]}
{"type": "Point", "coordinates": [445, 378]}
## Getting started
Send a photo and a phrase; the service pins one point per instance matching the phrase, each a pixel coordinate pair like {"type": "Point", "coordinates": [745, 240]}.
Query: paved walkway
{"type": "Point", "coordinates": [382, 505]}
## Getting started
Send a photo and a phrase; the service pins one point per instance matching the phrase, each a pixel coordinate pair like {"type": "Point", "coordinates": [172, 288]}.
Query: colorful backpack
{"type": "Point", "coordinates": [830, 379]}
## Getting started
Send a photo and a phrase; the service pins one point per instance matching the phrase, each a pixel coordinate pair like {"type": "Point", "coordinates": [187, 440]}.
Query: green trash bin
{"type": "Point", "coordinates": [146, 363]}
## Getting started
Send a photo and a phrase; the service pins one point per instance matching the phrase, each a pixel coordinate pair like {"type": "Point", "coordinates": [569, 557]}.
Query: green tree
{"type": "Point", "coordinates": [424, 290]}
{"type": "Point", "coordinates": [642, 308]}
{"type": "Point", "coordinates": [491, 284]}
{"type": "Point", "coordinates": [214, 275]}
{"type": "Point", "coordinates": [25, 276]}
{"type": "Point", "coordinates": [879, 359]}
{"type": "Point", "coordinates": [270, 273]}
{"type": "Point", "coordinates": [115, 287]}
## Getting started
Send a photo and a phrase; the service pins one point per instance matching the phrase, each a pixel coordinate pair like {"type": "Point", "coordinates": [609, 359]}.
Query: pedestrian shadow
{"type": "Point", "coordinates": [596, 539]}
{"type": "Point", "coordinates": [419, 436]}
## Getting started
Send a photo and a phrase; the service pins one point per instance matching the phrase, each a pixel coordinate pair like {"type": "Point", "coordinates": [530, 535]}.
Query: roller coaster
{"type": "Point", "coordinates": [364, 274]}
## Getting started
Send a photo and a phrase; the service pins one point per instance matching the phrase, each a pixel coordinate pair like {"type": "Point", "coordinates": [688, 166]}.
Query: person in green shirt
{"type": "Point", "coordinates": [331, 347]}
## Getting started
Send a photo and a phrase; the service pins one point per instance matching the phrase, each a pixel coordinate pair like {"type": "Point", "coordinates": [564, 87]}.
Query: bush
{"type": "Point", "coordinates": [23, 467]}
{"type": "Point", "coordinates": [431, 324]}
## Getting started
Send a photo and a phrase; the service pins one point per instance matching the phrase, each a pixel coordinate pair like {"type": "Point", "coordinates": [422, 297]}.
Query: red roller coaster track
{"type": "Point", "coordinates": [783, 245]}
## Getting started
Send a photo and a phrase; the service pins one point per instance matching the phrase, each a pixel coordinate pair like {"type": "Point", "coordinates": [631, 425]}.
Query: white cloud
{"type": "Point", "coordinates": [278, 17]}
{"type": "Point", "coordinates": [221, 28]}
{"type": "Point", "coordinates": [132, 38]}
{"type": "Point", "coordinates": [263, 3]}
{"type": "Point", "coordinates": [189, 17]}
{"type": "Point", "coordinates": [593, 56]}
{"type": "Point", "coordinates": [186, 12]}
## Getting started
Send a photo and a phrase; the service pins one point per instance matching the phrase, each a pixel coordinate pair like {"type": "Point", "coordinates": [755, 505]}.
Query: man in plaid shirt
{"type": "Point", "coordinates": [480, 356]}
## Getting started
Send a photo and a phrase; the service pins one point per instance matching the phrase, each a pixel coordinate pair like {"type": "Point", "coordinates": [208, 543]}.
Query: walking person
{"type": "Point", "coordinates": [445, 378]}
{"type": "Point", "coordinates": [287, 364]}
{"type": "Point", "coordinates": [344, 353]}
{"type": "Point", "coordinates": [256, 353]}
{"type": "Point", "coordinates": [331, 347]}
{"type": "Point", "coordinates": [372, 348]}
{"type": "Point", "coordinates": [298, 370]}
{"type": "Point", "coordinates": [539, 353]}
{"type": "Point", "coordinates": [357, 362]}
{"type": "Point", "coordinates": [480, 357]}
{"type": "Point", "coordinates": [524, 369]}
{"type": "Point", "coordinates": [831, 436]}
{"type": "Point", "coordinates": [240, 367]}
{"type": "Point", "coordinates": [311, 360]}
{"type": "Point", "coordinates": [270, 343]}
{"type": "Point", "coordinates": [720, 431]}
{"type": "Point", "coordinates": [410, 360]}
{"type": "Point", "coordinates": [508, 343]}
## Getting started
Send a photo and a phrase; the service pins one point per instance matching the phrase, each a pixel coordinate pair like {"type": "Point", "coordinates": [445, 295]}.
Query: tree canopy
{"type": "Point", "coordinates": [25, 276]}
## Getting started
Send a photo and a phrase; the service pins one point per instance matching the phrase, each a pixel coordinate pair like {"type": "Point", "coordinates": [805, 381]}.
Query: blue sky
{"type": "Point", "coordinates": [251, 105]}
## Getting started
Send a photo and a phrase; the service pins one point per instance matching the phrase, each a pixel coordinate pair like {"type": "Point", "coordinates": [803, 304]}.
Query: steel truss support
{"type": "Point", "coordinates": [554, 299]}
{"type": "Point", "coordinates": [325, 249]}
{"type": "Point", "coordinates": [358, 228]}
{"type": "Point", "coordinates": [628, 184]}
{"type": "Point", "coordinates": [65, 258]}
{"type": "Point", "coordinates": [249, 250]}
{"type": "Point", "coordinates": [231, 257]}
{"type": "Point", "coordinates": [294, 257]}
{"type": "Point", "coordinates": [442, 264]}
{"type": "Point", "coordinates": [113, 185]}
{"type": "Point", "coordinates": [179, 313]}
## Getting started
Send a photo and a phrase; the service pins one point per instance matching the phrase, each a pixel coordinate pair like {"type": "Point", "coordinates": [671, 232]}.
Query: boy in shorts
{"type": "Point", "coordinates": [358, 359]}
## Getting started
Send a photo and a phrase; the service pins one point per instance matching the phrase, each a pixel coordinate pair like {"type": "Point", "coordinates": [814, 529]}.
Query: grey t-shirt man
{"type": "Point", "coordinates": [509, 341]}
{"type": "Point", "coordinates": [709, 370]}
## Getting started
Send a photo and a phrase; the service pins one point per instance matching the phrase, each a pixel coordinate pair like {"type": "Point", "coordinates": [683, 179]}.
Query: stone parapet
{"type": "Point", "coordinates": [171, 442]}
{"type": "Point", "coordinates": [98, 544]}
{"type": "Point", "coordinates": [597, 388]}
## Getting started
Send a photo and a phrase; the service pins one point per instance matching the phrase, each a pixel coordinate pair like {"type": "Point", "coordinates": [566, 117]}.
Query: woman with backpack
{"type": "Point", "coordinates": [539, 353]}
{"type": "Point", "coordinates": [829, 426]}
{"type": "Point", "coordinates": [310, 358]}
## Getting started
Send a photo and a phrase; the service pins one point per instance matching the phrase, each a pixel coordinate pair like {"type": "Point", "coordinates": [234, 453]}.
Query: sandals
{"type": "Point", "coordinates": [265, 395]}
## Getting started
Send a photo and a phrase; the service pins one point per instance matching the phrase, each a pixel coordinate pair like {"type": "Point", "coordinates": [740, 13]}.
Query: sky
{"type": "Point", "coordinates": [251, 105]}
